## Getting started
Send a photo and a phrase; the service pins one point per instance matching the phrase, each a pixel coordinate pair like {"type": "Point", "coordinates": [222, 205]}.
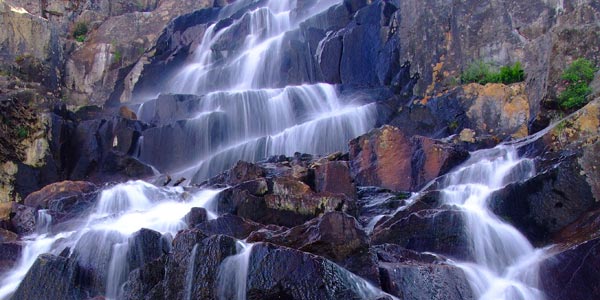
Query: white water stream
{"type": "Point", "coordinates": [505, 263]}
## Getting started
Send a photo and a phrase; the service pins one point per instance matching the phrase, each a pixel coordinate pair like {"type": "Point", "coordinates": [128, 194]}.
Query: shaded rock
{"type": "Point", "coordinates": [93, 252]}
{"type": "Point", "coordinates": [289, 202]}
{"type": "Point", "coordinates": [9, 254]}
{"type": "Point", "coordinates": [205, 263]}
{"type": "Point", "coordinates": [388, 158]}
{"type": "Point", "coordinates": [571, 273]}
{"type": "Point", "coordinates": [412, 275]}
{"type": "Point", "coordinates": [230, 225]}
{"type": "Point", "coordinates": [196, 216]}
{"type": "Point", "coordinates": [23, 219]}
{"type": "Point", "coordinates": [178, 261]}
{"type": "Point", "coordinates": [52, 277]}
{"type": "Point", "coordinates": [57, 191]}
{"type": "Point", "coordinates": [142, 281]}
{"type": "Point", "coordinates": [434, 230]}
{"type": "Point", "coordinates": [282, 273]}
{"type": "Point", "coordinates": [144, 246]}
{"type": "Point", "coordinates": [7, 236]}
{"type": "Point", "coordinates": [335, 236]}
{"type": "Point", "coordinates": [244, 171]}
{"type": "Point", "coordinates": [546, 203]}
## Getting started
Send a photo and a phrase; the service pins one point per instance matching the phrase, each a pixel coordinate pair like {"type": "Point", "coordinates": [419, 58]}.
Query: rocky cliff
{"type": "Point", "coordinates": [80, 113]}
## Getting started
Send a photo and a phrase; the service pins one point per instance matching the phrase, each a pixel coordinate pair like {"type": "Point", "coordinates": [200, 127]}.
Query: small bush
{"type": "Point", "coordinates": [483, 72]}
{"type": "Point", "coordinates": [22, 132]}
{"type": "Point", "coordinates": [578, 77]}
{"type": "Point", "coordinates": [80, 31]}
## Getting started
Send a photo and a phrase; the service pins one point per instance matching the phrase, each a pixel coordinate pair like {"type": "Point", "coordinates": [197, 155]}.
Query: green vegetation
{"type": "Point", "coordinates": [22, 132]}
{"type": "Point", "coordinates": [483, 72]}
{"type": "Point", "coordinates": [80, 31]}
{"type": "Point", "coordinates": [578, 76]}
{"type": "Point", "coordinates": [117, 56]}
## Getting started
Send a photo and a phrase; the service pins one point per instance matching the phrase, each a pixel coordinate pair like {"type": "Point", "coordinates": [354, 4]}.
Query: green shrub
{"type": "Point", "coordinates": [483, 72]}
{"type": "Point", "coordinates": [80, 31]}
{"type": "Point", "coordinates": [578, 77]}
{"type": "Point", "coordinates": [22, 132]}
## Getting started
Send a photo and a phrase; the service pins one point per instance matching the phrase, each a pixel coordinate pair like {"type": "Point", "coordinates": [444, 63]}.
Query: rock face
{"type": "Point", "coordinates": [497, 110]}
{"type": "Point", "coordinates": [388, 158]}
{"type": "Point", "coordinates": [411, 275]}
{"type": "Point", "coordinates": [335, 236]}
{"type": "Point", "coordinates": [546, 203]}
{"type": "Point", "coordinates": [438, 231]}
{"type": "Point", "coordinates": [570, 274]}
{"type": "Point", "coordinates": [60, 273]}
{"type": "Point", "coordinates": [58, 191]}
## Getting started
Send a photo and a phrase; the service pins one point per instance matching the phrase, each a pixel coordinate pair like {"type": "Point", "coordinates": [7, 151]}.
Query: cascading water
{"type": "Point", "coordinates": [243, 111]}
{"type": "Point", "coordinates": [505, 263]}
{"type": "Point", "coordinates": [102, 240]}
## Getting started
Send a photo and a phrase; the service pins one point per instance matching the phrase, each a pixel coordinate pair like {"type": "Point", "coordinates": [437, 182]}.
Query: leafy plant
{"type": "Point", "coordinates": [578, 76]}
{"type": "Point", "coordinates": [80, 31]}
{"type": "Point", "coordinates": [117, 56]}
{"type": "Point", "coordinates": [22, 132]}
{"type": "Point", "coordinates": [482, 72]}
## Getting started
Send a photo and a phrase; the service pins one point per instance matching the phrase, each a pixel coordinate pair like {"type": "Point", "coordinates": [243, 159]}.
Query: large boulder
{"type": "Point", "coordinates": [412, 275]}
{"type": "Point", "coordinates": [335, 236]}
{"type": "Point", "coordinates": [432, 230]}
{"type": "Point", "coordinates": [388, 158]}
{"type": "Point", "coordinates": [9, 251]}
{"type": "Point", "coordinates": [546, 203]}
{"type": "Point", "coordinates": [59, 190]}
{"type": "Point", "coordinates": [23, 219]}
{"type": "Point", "coordinates": [281, 273]}
{"type": "Point", "coordinates": [52, 277]}
{"type": "Point", "coordinates": [571, 273]}
{"type": "Point", "coordinates": [493, 110]}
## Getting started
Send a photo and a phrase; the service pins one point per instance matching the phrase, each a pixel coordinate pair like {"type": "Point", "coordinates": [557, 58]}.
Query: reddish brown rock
{"type": "Point", "coordinates": [334, 177]}
{"type": "Point", "coordinates": [64, 189]}
{"type": "Point", "coordinates": [386, 157]}
{"type": "Point", "coordinates": [382, 158]}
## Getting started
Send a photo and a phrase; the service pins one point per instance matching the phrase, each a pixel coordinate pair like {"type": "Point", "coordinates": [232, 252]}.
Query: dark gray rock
{"type": "Point", "coordinates": [546, 203]}
{"type": "Point", "coordinates": [52, 277]}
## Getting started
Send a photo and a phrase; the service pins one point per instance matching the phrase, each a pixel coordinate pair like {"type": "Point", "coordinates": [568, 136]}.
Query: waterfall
{"type": "Point", "coordinates": [241, 109]}
{"type": "Point", "coordinates": [505, 263]}
{"type": "Point", "coordinates": [102, 238]}
{"type": "Point", "coordinates": [233, 274]}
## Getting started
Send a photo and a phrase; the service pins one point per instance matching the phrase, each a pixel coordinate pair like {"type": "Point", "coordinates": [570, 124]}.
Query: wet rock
{"type": "Point", "coordinates": [433, 230]}
{"type": "Point", "coordinates": [23, 219]}
{"type": "Point", "coordinates": [288, 202]}
{"type": "Point", "coordinates": [244, 171]}
{"type": "Point", "coordinates": [205, 267]}
{"type": "Point", "coordinates": [142, 281]}
{"type": "Point", "coordinates": [52, 277]}
{"type": "Point", "coordinates": [571, 273]}
{"type": "Point", "coordinates": [144, 246]}
{"type": "Point", "coordinates": [334, 177]}
{"type": "Point", "coordinates": [196, 216]}
{"type": "Point", "coordinates": [230, 225]}
{"type": "Point", "coordinates": [58, 191]}
{"type": "Point", "coordinates": [281, 273]}
{"type": "Point", "coordinates": [93, 252]}
{"type": "Point", "coordinates": [7, 236]}
{"type": "Point", "coordinates": [546, 203]}
{"type": "Point", "coordinates": [335, 236]}
{"type": "Point", "coordinates": [9, 254]}
{"type": "Point", "coordinates": [388, 158]}
{"type": "Point", "coordinates": [178, 261]}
